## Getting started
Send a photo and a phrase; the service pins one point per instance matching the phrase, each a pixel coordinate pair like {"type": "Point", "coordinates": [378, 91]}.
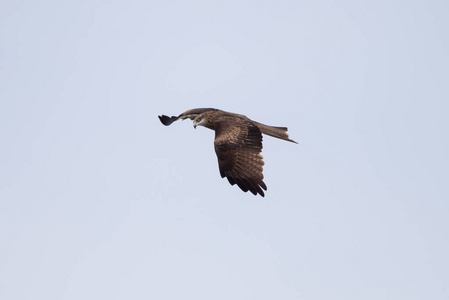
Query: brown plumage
{"type": "Point", "coordinates": [238, 143]}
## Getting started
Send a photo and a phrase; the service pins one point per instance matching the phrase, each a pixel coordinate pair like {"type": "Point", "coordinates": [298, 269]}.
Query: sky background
{"type": "Point", "coordinates": [99, 200]}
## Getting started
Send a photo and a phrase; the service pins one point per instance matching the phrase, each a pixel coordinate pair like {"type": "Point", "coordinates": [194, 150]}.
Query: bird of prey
{"type": "Point", "coordinates": [238, 143]}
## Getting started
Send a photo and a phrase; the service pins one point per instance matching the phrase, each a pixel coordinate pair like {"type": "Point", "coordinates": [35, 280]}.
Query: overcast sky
{"type": "Point", "coordinates": [99, 200]}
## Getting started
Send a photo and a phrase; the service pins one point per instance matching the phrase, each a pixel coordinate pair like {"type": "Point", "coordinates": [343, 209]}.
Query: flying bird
{"type": "Point", "coordinates": [238, 143]}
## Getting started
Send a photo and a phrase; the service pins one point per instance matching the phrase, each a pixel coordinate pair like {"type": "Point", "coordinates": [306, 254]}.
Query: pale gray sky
{"type": "Point", "coordinates": [98, 200]}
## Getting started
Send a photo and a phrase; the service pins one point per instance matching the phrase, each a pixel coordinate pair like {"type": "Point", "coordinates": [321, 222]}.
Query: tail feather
{"type": "Point", "coordinates": [277, 132]}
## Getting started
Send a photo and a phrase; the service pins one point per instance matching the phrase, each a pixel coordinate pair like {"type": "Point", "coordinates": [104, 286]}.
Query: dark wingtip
{"type": "Point", "coordinates": [166, 120]}
{"type": "Point", "coordinates": [246, 185]}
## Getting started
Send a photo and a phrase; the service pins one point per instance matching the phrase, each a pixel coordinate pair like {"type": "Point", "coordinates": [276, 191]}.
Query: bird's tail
{"type": "Point", "coordinates": [277, 132]}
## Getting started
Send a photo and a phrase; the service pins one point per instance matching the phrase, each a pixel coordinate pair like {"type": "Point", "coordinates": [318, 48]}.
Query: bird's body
{"type": "Point", "coordinates": [238, 143]}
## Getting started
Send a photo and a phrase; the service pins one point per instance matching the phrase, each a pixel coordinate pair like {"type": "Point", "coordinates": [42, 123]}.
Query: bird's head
{"type": "Point", "coordinates": [199, 121]}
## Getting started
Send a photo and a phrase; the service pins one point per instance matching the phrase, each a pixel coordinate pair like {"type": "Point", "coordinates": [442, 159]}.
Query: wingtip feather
{"type": "Point", "coordinates": [166, 120]}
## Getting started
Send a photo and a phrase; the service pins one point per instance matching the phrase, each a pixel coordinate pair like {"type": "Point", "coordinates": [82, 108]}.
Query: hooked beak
{"type": "Point", "coordinates": [194, 126]}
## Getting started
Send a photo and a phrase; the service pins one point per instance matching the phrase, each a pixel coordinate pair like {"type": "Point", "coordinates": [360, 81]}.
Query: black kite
{"type": "Point", "coordinates": [238, 143]}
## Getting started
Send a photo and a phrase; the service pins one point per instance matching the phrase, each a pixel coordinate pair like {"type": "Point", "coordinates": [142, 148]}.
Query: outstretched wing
{"type": "Point", "coordinates": [190, 114]}
{"type": "Point", "coordinates": [238, 144]}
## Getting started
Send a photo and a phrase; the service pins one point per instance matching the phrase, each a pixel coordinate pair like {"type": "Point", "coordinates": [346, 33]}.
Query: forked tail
{"type": "Point", "coordinates": [277, 132]}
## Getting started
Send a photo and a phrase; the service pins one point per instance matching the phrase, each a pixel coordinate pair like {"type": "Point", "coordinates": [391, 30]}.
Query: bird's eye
{"type": "Point", "coordinates": [199, 119]}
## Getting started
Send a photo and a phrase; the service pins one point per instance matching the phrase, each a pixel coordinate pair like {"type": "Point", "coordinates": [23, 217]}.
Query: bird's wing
{"type": "Point", "coordinates": [190, 114]}
{"type": "Point", "coordinates": [238, 144]}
